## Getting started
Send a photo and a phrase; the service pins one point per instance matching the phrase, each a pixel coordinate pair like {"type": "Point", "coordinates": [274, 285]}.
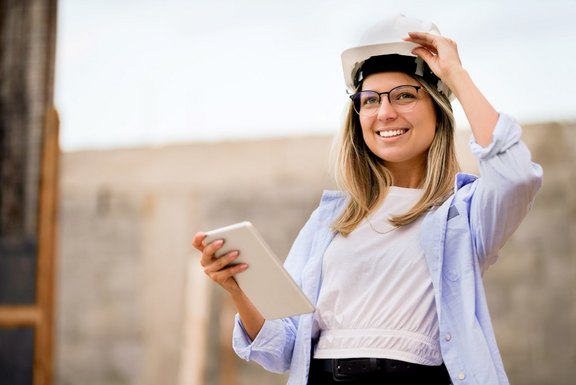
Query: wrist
{"type": "Point", "coordinates": [237, 295]}
{"type": "Point", "coordinates": [456, 80]}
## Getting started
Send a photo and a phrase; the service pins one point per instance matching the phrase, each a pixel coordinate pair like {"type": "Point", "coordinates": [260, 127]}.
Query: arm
{"type": "Point", "coordinates": [509, 180]}
{"type": "Point", "coordinates": [506, 190]}
{"type": "Point", "coordinates": [255, 338]}
{"type": "Point", "coordinates": [275, 345]}
{"type": "Point", "coordinates": [220, 271]}
{"type": "Point", "coordinates": [441, 55]}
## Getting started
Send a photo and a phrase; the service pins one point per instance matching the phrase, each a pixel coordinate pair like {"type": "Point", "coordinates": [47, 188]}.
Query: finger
{"type": "Point", "coordinates": [421, 38]}
{"type": "Point", "coordinates": [424, 45]}
{"type": "Point", "coordinates": [220, 263]}
{"type": "Point", "coordinates": [197, 241]}
{"type": "Point", "coordinates": [424, 53]}
{"type": "Point", "coordinates": [429, 40]}
{"type": "Point", "coordinates": [209, 251]}
{"type": "Point", "coordinates": [221, 276]}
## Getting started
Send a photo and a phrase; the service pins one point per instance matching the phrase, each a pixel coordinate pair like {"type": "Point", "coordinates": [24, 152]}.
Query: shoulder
{"type": "Point", "coordinates": [456, 204]}
{"type": "Point", "coordinates": [331, 202]}
{"type": "Point", "coordinates": [333, 196]}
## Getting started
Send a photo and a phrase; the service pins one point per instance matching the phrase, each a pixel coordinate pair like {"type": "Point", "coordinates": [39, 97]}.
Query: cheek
{"type": "Point", "coordinates": [367, 134]}
{"type": "Point", "coordinates": [366, 125]}
{"type": "Point", "coordinates": [428, 124]}
{"type": "Point", "coordinates": [366, 122]}
{"type": "Point", "coordinates": [428, 135]}
{"type": "Point", "coordinates": [431, 130]}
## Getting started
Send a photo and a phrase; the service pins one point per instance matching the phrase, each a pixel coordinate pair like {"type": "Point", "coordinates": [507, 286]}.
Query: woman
{"type": "Point", "coordinates": [394, 262]}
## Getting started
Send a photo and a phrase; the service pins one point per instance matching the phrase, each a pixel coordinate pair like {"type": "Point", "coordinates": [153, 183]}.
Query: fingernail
{"type": "Point", "coordinates": [219, 242]}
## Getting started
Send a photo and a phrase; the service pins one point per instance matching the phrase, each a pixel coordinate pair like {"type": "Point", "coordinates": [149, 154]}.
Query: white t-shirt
{"type": "Point", "coordinates": [376, 298]}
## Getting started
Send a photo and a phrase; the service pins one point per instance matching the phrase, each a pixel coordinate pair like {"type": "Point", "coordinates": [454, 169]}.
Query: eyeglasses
{"type": "Point", "coordinates": [402, 98]}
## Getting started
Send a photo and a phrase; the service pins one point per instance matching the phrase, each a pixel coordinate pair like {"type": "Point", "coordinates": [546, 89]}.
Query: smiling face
{"type": "Point", "coordinates": [400, 139]}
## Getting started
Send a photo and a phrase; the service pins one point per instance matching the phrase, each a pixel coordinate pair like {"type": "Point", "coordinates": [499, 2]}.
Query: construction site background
{"type": "Point", "coordinates": [134, 307]}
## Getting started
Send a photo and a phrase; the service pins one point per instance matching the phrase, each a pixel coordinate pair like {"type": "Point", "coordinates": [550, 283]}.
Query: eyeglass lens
{"type": "Point", "coordinates": [402, 98]}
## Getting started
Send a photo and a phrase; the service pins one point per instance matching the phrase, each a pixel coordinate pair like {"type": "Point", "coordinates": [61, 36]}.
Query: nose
{"type": "Point", "coordinates": [386, 111]}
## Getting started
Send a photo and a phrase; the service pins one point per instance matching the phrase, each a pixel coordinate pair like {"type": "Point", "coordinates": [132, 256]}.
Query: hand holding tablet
{"type": "Point", "coordinates": [268, 285]}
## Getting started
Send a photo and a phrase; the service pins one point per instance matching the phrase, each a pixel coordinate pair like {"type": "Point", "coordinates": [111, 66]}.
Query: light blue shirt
{"type": "Point", "coordinates": [461, 238]}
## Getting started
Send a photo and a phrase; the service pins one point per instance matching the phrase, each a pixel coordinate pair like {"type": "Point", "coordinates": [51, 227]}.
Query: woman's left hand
{"type": "Point", "coordinates": [440, 53]}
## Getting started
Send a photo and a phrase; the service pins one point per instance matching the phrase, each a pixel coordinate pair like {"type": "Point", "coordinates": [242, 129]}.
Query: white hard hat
{"type": "Point", "coordinates": [387, 38]}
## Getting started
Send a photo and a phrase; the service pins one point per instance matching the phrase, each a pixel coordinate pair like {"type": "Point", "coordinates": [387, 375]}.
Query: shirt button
{"type": "Point", "coordinates": [461, 376]}
{"type": "Point", "coordinates": [448, 337]}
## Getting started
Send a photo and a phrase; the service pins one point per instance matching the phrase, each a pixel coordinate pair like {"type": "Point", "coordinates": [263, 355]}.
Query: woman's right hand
{"type": "Point", "coordinates": [220, 269]}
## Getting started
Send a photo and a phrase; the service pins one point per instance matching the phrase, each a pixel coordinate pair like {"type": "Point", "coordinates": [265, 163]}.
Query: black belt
{"type": "Point", "coordinates": [349, 368]}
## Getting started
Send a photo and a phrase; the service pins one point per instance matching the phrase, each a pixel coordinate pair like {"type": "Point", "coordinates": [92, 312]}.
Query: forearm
{"type": "Point", "coordinates": [252, 319]}
{"type": "Point", "coordinates": [479, 112]}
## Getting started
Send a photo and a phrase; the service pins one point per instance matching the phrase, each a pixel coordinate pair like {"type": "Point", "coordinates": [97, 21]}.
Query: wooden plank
{"type": "Point", "coordinates": [47, 228]}
{"type": "Point", "coordinates": [17, 316]}
{"type": "Point", "coordinates": [47, 209]}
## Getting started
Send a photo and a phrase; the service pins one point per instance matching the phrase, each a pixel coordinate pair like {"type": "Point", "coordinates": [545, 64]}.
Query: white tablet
{"type": "Point", "coordinates": [268, 285]}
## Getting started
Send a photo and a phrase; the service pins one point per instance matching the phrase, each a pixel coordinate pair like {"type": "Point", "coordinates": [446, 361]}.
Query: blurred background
{"type": "Point", "coordinates": [179, 116]}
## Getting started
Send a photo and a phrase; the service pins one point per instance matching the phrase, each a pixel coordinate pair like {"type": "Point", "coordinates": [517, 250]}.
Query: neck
{"type": "Point", "coordinates": [406, 175]}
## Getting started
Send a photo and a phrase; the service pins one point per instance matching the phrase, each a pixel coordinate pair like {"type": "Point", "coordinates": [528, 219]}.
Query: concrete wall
{"type": "Point", "coordinates": [134, 307]}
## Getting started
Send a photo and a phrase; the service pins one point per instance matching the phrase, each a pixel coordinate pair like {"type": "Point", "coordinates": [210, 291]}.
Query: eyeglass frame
{"type": "Point", "coordinates": [387, 93]}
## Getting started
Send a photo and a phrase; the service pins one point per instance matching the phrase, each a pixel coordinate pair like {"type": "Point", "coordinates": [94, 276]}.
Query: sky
{"type": "Point", "coordinates": [154, 72]}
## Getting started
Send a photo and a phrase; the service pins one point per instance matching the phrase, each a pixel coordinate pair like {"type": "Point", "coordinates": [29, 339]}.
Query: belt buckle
{"type": "Point", "coordinates": [337, 374]}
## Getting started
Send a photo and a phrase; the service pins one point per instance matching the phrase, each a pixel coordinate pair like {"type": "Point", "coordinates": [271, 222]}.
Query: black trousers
{"type": "Point", "coordinates": [419, 375]}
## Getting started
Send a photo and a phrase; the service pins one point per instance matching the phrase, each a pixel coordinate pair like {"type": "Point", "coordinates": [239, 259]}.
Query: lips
{"type": "Point", "coordinates": [392, 133]}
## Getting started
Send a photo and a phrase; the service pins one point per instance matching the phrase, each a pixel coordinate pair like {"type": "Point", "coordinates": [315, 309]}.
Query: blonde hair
{"type": "Point", "coordinates": [363, 176]}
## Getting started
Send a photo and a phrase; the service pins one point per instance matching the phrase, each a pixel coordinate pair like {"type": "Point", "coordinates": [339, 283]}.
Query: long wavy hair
{"type": "Point", "coordinates": [364, 177]}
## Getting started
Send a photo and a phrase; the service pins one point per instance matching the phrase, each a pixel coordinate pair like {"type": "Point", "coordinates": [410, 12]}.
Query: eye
{"type": "Point", "coordinates": [369, 99]}
{"type": "Point", "coordinates": [404, 95]}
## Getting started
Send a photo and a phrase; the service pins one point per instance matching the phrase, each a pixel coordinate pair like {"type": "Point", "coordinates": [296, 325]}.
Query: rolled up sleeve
{"type": "Point", "coordinates": [505, 191]}
{"type": "Point", "coordinates": [267, 348]}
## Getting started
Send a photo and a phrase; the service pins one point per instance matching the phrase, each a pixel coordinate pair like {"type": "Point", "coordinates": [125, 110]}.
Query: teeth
{"type": "Point", "coordinates": [391, 133]}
